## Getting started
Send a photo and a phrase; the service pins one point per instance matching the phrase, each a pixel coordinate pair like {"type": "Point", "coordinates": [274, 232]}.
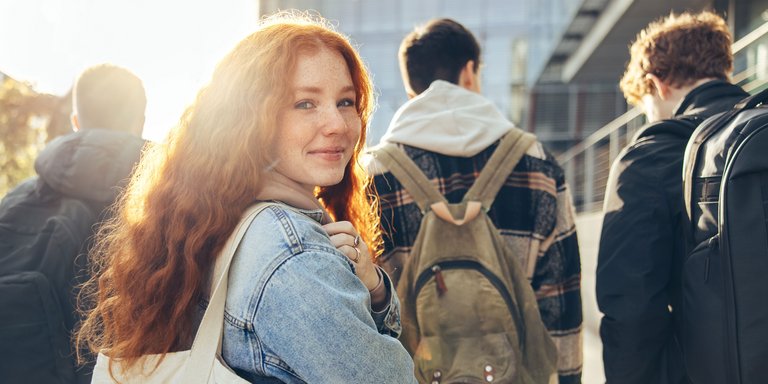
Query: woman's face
{"type": "Point", "coordinates": [318, 127]}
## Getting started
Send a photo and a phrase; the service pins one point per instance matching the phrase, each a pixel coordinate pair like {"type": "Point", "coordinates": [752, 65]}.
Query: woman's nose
{"type": "Point", "coordinates": [334, 121]}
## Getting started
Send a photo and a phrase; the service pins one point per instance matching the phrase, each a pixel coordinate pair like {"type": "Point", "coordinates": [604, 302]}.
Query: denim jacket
{"type": "Point", "coordinates": [297, 313]}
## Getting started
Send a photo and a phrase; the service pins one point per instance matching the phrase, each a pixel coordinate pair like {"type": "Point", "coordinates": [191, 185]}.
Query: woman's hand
{"type": "Point", "coordinates": [347, 240]}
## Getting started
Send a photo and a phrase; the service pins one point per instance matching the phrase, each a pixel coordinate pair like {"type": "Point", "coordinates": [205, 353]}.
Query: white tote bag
{"type": "Point", "coordinates": [203, 363]}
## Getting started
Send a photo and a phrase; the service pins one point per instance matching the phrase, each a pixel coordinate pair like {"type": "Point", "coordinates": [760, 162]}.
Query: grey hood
{"type": "Point", "coordinates": [449, 120]}
{"type": "Point", "coordinates": [91, 164]}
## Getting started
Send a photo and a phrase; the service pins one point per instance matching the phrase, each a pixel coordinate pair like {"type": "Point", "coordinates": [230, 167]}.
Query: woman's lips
{"type": "Point", "coordinates": [329, 154]}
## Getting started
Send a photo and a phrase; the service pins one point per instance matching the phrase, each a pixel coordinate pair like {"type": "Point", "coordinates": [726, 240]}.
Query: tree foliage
{"type": "Point", "coordinates": [27, 121]}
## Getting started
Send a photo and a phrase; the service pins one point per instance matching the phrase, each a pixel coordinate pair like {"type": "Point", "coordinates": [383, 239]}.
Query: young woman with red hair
{"type": "Point", "coordinates": [283, 119]}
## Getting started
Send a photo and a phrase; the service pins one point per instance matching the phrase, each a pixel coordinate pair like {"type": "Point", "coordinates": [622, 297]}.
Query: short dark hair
{"type": "Point", "coordinates": [437, 51]}
{"type": "Point", "coordinates": [109, 97]}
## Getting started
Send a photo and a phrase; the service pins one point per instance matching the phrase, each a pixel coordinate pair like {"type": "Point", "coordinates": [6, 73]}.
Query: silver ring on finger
{"type": "Point", "coordinates": [356, 242]}
{"type": "Point", "coordinates": [357, 255]}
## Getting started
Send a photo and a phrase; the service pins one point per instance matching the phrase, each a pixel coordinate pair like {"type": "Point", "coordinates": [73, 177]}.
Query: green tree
{"type": "Point", "coordinates": [28, 120]}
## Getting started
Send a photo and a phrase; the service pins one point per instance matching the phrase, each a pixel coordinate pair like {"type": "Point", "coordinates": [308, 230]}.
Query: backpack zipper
{"type": "Point", "coordinates": [439, 281]}
{"type": "Point", "coordinates": [712, 243]}
{"type": "Point", "coordinates": [436, 271]}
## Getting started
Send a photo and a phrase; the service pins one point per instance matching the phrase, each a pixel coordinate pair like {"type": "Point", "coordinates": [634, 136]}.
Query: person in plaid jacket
{"type": "Point", "coordinates": [450, 131]}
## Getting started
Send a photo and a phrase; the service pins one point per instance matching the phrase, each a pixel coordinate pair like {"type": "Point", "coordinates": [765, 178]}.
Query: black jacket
{"type": "Point", "coordinates": [45, 225]}
{"type": "Point", "coordinates": [642, 244]}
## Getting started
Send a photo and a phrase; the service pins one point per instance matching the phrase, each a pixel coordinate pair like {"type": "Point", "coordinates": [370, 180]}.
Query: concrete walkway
{"type": "Point", "coordinates": [588, 228]}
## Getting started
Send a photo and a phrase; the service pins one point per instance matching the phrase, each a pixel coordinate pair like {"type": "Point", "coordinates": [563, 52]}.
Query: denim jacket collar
{"type": "Point", "coordinates": [318, 215]}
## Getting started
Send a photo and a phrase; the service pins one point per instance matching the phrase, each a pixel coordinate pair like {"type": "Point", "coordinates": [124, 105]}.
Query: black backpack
{"type": "Point", "coordinates": [41, 261]}
{"type": "Point", "coordinates": [725, 185]}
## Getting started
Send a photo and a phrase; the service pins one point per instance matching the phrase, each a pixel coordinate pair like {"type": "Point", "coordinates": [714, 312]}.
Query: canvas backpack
{"type": "Point", "coordinates": [469, 313]}
{"type": "Point", "coordinates": [724, 273]}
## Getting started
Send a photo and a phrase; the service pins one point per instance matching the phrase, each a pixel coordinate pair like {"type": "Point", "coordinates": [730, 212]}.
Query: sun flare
{"type": "Point", "coordinates": [172, 45]}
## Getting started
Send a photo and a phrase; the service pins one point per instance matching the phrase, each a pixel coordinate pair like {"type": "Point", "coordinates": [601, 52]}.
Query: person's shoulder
{"type": "Point", "coordinates": [538, 152]}
{"type": "Point", "coordinates": [376, 168]}
{"type": "Point", "coordinates": [654, 154]}
{"type": "Point", "coordinates": [284, 226]}
{"type": "Point", "coordinates": [371, 164]}
{"type": "Point", "coordinates": [659, 139]}
{"type": "Point", "coordinates": [277, 235]}
{"type": "Point", "coordinates": [22, 192]}
{"type": "Point", "coordinates": [539, 159]}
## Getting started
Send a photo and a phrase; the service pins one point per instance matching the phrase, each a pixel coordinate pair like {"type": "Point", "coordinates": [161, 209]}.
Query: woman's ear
{"type": "Point", "coordinates": [659, 86]}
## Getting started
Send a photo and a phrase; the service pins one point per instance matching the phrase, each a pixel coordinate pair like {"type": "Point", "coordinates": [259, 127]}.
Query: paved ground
{"type": "Point", "coordinates": [588, 227]}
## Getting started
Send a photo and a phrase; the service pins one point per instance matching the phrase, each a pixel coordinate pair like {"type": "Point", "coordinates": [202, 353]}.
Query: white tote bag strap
{"type": "Point", "coordinates": [207, 343]}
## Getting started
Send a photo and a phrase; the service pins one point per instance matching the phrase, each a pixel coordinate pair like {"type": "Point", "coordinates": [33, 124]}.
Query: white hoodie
{"type": "Point", "coordinates": [449, 120]}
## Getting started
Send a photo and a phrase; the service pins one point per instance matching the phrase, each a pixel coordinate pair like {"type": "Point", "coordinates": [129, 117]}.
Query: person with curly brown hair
{"type": "Point", "coordinates": [679, 75]}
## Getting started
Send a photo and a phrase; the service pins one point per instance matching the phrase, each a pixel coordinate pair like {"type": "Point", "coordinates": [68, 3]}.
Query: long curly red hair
{"type": "Point", "coordinates": [152, 260]}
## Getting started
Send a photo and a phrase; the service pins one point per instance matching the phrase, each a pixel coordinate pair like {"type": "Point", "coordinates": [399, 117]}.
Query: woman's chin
{"type": "Point", "coordinates": [330, 180]}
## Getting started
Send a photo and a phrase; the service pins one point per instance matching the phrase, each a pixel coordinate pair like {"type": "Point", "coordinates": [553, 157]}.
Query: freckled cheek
{"type": "Point", "coordinates": [355, 126]}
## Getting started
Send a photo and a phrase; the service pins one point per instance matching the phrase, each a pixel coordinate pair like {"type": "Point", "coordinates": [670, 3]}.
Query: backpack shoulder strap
{"type": "Point", "coordinates": [508, 153]}
{"type": "Point", "coordinates": [409, 175]}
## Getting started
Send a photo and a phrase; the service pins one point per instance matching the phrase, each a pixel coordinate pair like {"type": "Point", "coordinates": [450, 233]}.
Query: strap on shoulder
{"type": "Point", "coordinates": [207, 343]}
{"type": "Point", "coordinates": [409, 175]}
{"type": "Point", "coordinates": [508, 153]}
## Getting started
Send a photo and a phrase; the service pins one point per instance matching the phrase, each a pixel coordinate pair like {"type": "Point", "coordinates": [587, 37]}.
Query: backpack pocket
{"type": "Point", "coordinates": [469, 323]}
{"type": "Point", "coordinates": [482, 359]}
{"type": "Point", "coordinates": [702, 336]}
{"type": "Point", "coordinates": [467, 290]}
{"type": "Point", "coordinates": [35, 341]}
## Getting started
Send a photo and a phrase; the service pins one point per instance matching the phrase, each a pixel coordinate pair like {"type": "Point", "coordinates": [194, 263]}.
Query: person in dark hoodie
{"type": "Point", "coordinates": [679, 70]}
{"type": "Point", "coordinates": [46, 223]}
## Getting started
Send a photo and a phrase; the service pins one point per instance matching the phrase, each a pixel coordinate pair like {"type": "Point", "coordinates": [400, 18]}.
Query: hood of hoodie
{"type": "Point", "coordinates": [449, 120]}
{"type": "Point", "coordinates": [91, 164]}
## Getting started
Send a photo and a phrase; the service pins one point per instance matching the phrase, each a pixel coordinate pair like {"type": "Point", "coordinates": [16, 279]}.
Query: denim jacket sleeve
{"type": "Point", "coordinates": [314, 303]}
{"type": "Point", "coordinates": [388, 319]}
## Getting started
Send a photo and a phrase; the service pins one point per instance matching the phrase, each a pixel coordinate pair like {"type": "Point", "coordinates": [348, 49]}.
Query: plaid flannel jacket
{"type": "Point", "coordinates": [534, 205]}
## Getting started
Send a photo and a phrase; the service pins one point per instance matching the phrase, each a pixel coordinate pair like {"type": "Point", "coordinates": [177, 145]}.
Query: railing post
{"type": "Point", "coordinates": [614, 146]}
{"type": "Point", "coordinates": [589, 177]}
{"type": "Point", "coordinates": [570, 177]}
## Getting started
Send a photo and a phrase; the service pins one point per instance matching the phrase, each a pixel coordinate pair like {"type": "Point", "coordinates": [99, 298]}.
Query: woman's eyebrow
{"type": "Point", "coordinates": [309, 89]}
{"type": "Point", "coordinates": [312, 89]}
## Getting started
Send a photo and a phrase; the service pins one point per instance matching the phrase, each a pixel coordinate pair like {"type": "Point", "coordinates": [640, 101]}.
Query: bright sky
{"type": "Point", "coordinates": [172, 45]}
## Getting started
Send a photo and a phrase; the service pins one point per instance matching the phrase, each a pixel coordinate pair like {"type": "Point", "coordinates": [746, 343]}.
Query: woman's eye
{"type": "Point", "coordinates": [304, 105]}
{"type": "Point", "coordinates": [346, 103]}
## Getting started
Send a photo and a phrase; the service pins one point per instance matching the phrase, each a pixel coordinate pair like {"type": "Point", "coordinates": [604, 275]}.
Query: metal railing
{"type": "Point", "coordinates": [588, 163]}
